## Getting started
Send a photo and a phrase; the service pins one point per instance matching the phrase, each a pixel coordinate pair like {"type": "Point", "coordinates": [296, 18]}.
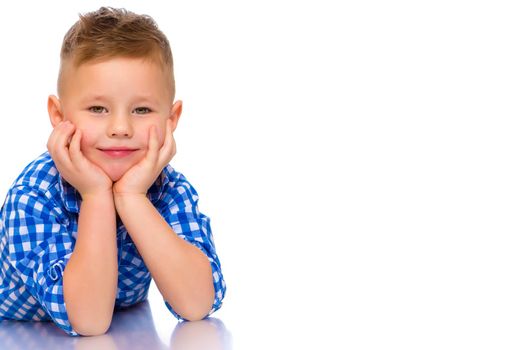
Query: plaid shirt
{"type": "Point", "coordinates": [38, 230]}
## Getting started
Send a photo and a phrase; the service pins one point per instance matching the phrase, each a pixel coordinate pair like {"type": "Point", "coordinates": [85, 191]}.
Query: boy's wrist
{"type": "Point", "coordinates": [97, 196]}
{"type": "Point", "coordinates": [123, 198]}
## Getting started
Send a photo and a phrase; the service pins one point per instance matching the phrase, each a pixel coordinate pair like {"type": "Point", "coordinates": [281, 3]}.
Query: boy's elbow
{"type": "Point", "coordinates": [195, 316]}
{"type": "Point", "coordinates": [89, 331]}
{"type": "Point", "coordinates": [196, 313]}
{"type": "Point", "coordinates": [98, 327]}
{"type": "Point", "coordinates": [191, 313]}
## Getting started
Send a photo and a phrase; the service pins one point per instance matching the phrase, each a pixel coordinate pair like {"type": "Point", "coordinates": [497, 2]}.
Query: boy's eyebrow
{"type": "Point", "coordinates": [94, 97]}
{"type": "Point", "coordinates": [141, 98]}
{"type": "Point", "coordinates": [152, 98]}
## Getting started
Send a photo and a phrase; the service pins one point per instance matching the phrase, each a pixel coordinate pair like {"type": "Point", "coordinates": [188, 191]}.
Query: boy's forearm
{"type": "Point", "coordinates": [181, 271]}
{"type": "Point", "coordinates": [90, 276]}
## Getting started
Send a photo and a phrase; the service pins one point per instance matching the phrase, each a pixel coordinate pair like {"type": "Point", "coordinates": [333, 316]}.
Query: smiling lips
{"type": "Point", "coordinates": [118, 152]}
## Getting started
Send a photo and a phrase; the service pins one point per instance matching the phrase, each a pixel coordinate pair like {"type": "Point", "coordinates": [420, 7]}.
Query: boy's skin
{"type": "Point", "coordinates": [105, 106]}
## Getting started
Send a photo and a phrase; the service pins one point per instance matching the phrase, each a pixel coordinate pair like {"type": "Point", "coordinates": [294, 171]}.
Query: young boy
{"type": "Point", "coordinates": [87, 224]}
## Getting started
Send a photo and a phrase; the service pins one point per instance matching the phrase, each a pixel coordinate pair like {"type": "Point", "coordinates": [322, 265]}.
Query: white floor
{"type": "Point", "coordinates": [145, 326]}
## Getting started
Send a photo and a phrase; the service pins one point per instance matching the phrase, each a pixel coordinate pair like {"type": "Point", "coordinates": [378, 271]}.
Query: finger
{"type": "Point", "coordinates": [153, 146]}
{"type": "Point", "coordinates": [74, 148]}
{"type": "Point", "coordinates": [167, 137]}
{"type": "Point", "coordinates": [52, 138]}
{"type": "Point", "coordinates": [66, 130]}
{"type": "Point", "coordinates": [59, 147]}
{"type": "Point", "coordinates": [170, 153]}
{"type": "Point", "coordinates": [166, 152]}
{"type": "Point", "coordinates": [55, 135]}
{"type": "Point", "coordinates": [173, 146]}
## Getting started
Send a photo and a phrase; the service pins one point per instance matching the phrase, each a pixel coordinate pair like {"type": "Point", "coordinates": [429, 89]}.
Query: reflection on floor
{"type": "Point", "coordinates": [132, 328]}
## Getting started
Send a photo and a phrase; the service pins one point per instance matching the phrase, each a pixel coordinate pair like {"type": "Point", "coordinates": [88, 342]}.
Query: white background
{"type": "Point", "coordinates": [361, 162]}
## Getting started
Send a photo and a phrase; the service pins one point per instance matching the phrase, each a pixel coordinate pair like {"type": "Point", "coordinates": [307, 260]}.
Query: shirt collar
{"type": "Point", "coordinates": [72, 199]}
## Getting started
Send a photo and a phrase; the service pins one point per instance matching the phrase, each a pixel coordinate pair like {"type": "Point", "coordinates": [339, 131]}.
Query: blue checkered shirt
{"type": "Point", "coordinates": [38, 230]}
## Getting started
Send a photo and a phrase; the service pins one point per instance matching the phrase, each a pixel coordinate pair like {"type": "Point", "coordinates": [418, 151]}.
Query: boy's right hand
{"type": "Point", "coordinates": [81, 173]}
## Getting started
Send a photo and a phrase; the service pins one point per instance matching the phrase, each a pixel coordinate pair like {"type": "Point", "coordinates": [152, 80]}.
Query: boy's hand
{"type": "Point", "coordinates": [139, 178]}
{"type": "Point", "coordinates": [76, 169]}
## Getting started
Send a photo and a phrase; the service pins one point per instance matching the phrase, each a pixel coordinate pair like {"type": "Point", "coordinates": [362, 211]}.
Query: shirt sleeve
{"type": "Point", "coordinates": [182, 214]}
{"type": "Point", "coordinates": [39, 248]}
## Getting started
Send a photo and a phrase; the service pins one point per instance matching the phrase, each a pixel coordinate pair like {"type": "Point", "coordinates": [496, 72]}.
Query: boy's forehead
{"type": "Point", "coordinates": [116, 66]}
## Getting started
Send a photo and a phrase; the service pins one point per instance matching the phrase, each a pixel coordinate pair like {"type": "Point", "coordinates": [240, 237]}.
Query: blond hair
{"type": "Point", "coordinates": [110, 33]}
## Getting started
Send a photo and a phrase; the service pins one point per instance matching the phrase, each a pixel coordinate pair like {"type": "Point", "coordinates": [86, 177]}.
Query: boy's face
{"type": "Point", "coordinates": [114, 103]}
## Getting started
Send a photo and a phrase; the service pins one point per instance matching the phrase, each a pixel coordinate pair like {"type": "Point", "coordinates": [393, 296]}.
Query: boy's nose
{"type": "Point", "coordinates": [120, 132]}
{"type": "Point", "coordinates": [120, 127]}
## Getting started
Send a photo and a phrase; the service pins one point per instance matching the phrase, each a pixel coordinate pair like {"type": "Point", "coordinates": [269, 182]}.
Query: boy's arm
{"type": "Point", "coordinates": [181, 271]}
{"type": "Point", "coordinates": [91, 275]}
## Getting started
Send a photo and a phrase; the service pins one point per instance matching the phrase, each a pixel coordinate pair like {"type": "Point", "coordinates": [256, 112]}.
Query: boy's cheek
{"type": "Point", "coordinates": [86, 144]}
{"type": "Point", "coordinates": [160, 136]}
{"type": "Point", "coordinates": [160, 133]}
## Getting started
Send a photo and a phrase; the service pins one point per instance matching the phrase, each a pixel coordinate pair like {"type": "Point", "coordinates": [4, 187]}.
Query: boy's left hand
{"type": "Point", "coordinates": [139, 178]}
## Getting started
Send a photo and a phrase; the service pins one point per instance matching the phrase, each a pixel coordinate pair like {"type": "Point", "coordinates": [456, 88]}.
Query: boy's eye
{"type": "Point", "coordinates": [97, 109]}
{"type": "Point", "coordinates": [142, 110]}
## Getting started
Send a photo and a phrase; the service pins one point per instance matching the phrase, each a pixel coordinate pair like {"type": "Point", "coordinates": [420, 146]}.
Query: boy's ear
{"type": "Point", "coordinates": [175, 113]}
{"type": "Point", "coordinates": [54, 109]}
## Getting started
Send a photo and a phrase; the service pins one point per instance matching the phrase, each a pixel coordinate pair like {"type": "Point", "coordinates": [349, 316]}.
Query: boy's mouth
{"type": "Point", "coordinates": [118, 152]}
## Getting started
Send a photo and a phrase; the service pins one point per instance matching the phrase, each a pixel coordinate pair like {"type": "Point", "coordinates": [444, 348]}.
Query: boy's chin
{"type": "Point", "coordinates": [115, 178]}
{"type": "Point", "coordinates": [115, 174]}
